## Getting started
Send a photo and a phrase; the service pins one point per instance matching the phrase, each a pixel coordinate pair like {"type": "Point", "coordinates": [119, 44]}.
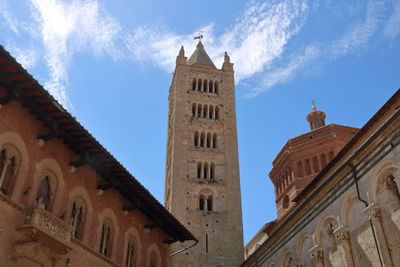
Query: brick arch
{"type": "Point", "coordinates": [108, 213]}
{"type": "Point", "coordinates": [133, 232]}
{"type": "Point", "coordinates": [81, 192]}
{"type": "Point", "coordinates": [49, 166]}
{"type": "Point", "coordinates": [153, 248]}
{"type": "Point", "coordinates": [15, 139]}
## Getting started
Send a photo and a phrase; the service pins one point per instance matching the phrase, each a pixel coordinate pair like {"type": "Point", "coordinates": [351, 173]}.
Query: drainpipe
{"type": "Point", "coordinates": [353, 170]}
{"type": "Point", "coordinates": [182, 250]}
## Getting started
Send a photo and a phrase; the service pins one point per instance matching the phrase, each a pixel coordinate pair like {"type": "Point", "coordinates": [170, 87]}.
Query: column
{"type": "Point", "coordinates": [343, 236]}
{"type": "Point", "coordinates": [373, 213]}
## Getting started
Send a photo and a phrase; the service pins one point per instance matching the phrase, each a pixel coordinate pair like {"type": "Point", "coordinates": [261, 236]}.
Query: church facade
{"type": "Point", "coordinates": [340, 208]}
{"type": "Point", "coordinates": [202, 185]}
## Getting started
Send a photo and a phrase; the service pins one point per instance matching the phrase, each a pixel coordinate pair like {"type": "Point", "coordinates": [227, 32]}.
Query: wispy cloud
{"type": "Point", "coordinates": [254, 42]}
{"type": "Point", "coordinates": [67, 28]}
{"type": "Point", "coordinates": [285, 73]}
{"type": "Point", "coordinates": [392, 27]}
{"type": "Point", "coordinates": [358, 35]}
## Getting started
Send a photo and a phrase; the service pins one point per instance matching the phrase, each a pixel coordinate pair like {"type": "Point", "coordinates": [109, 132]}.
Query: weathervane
{"type": "Point", "coordinates": [199, 37]}
{"type": "Point", "coordinates": [314, 107]}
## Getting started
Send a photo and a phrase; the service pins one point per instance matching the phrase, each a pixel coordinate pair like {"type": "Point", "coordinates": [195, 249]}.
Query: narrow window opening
{"type": "Point", "coordinates": [199, 85]}
{"type": "Point", "coordinates": [308, 167]}
{"type": "Point", "coordinates": [216, 87]}
{"type": "Point", "coordinates": [205, 86]}
{"type": "Point", "coordinates": [300, 169]}
{"type": "Point", "coordinates": [209, 204]}
{"type": "Point", "coordinates": [212, 175]}
{"type": "Point", "coordinates": [208, 140]}
{"type": "Point", "coordinates": [214, 140]}
{"type": "Point", "coordinates": [211, 113]}
{"type": "Point", "coordinates": [210, 87]}
{"type": "Point", "coordinates": [43, 194]}
{"type": "Point", "coordinates": [216, 113]}
{"type": "Point", "coordinates": [201, 203]}
{"type": "Point", "coordinates": [205, 111]}
{"type": "Point", "coordinates": [194, 84]}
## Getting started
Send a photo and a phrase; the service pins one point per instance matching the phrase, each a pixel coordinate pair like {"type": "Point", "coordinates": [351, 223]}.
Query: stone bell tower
{"type": "Point", "coordinates": [202, 185]}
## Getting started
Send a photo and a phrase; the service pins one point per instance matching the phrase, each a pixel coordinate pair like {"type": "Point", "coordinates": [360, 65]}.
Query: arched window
{"type": "Point", "coordinates": [43, 196]}
{"type": "Point", "coordinates": [211, 113]}
{"type": "Point", "coordinates": [214, 140]}
{"type": "Point", "coordinates": [216, 117]}
{"type": "Point", "coordinates": [194, 110]}
{"type": "Point", "coordinates": [209, 203]}
{"type": "Point", "coordinates": [107, 234]}
{"type": "Point", "coordinates": [202, 139]}
{"type": "Point", "coordinates": [131, 253]}
{"type": "Point", "coordinates": [208, 143]}
{"type": "Point", "coordinates": [205, 89]}
{"type": "Point", "coordinates": [205, 111]}
{"type": "Point", "coordinates": [194, 84]}
{"type": "Point", "coordinates": [290, 174]}
{"type": "Point", "coordinates": [78, 215]}
{"type": "Point", "coordinates": [153, 260]}
{"type": "Point", "coordinates": [323, 160]}
{"type": "Point", "coordinates": [205, 171]}
{"type": "Point", "coordinates": [196, 138]}
{"type": "Point", "coordinates": [201, 202]}
{"type": "Point", "coordinates": [216, 87]}
{"type": "Point", "coordinates": [315, 164]}
{"type": "Point", "coordinates": [212, 171]}
{"type": "Point", "coordinates": [300, 168]}
{"type": "Point", "coordinates": [199, 85]}
{"type": "Point", "coordinates": [308, 167]}
{"type": "Point", "coordinates": [199, 110]}
{"type": "Point", "coordinates": [210, 87]}
{"type": "Point", "coordinates": [9, 161]}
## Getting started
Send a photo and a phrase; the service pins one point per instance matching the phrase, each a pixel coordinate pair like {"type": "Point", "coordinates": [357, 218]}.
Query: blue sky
{"type": "Point", "coordinates": [110, 63]}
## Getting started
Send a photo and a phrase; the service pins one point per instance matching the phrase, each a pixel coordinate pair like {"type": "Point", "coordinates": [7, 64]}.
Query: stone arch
{"type": "Point", "coordinates": [49, 167]}
{"type": "Point", "coordinates": [108, 213]}
{"type": "Point", "coordinates": [286, 258]}
{"type": "Point", "coordinates": [325, 239]}
{"type": "Point", "coordinates": [15, 139]}
{"type": "Point", "coordinates": [362, 244]}
{"type": "Point", "coordinates": [153, 251]}
{"type": "Point", "coordinates": [379, 176]}
{"type": "Point", "coordinates": [81, 192]}
{"type": "Point", "coordinates": [132, 232]}
{"type": "Point", "coordinates": [10, 161]}
{"type": "Point", "coordinates": [384, 189]}
{"type": "Point", "coordinates": [303, 245]}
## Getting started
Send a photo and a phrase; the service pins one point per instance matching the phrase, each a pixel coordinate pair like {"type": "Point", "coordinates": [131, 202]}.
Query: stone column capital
{"type": "Point", "coordinates": [317, 253]}
{"type": "Point", "coordinates": [373, 212]}
{"type": "Point", "coordinates": [341, 233]}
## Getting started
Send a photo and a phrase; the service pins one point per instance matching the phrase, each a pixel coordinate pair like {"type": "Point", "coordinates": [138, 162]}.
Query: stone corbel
{"type": "Point", "coordinates": [317, 253]}
{"type": "Point", "coordinates": [342, 234]}
{"type": "Point", "coordinates": [374, 214]}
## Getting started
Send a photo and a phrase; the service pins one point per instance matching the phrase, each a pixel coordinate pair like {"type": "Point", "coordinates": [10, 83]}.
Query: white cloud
{"type": "Point", "coordinates": [392, 27]}
{"type": "Point", "coordinates": [286, 73]}
{"type": "Point", "coordinates": [254, 42]}
{"type": "Point", "coordinates": [27, 57]}
{"type": "Point", "coordinates": [358, 36]}
{"type": "Point", "coordinates": [67, 28]}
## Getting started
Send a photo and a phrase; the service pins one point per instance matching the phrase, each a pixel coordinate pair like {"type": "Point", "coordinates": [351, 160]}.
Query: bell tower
{"type": "Point", "coordinates": [202, 185]}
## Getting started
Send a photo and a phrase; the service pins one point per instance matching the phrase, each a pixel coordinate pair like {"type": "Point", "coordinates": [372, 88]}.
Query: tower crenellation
{"type": "Point", "coordinates": [202, 187]}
